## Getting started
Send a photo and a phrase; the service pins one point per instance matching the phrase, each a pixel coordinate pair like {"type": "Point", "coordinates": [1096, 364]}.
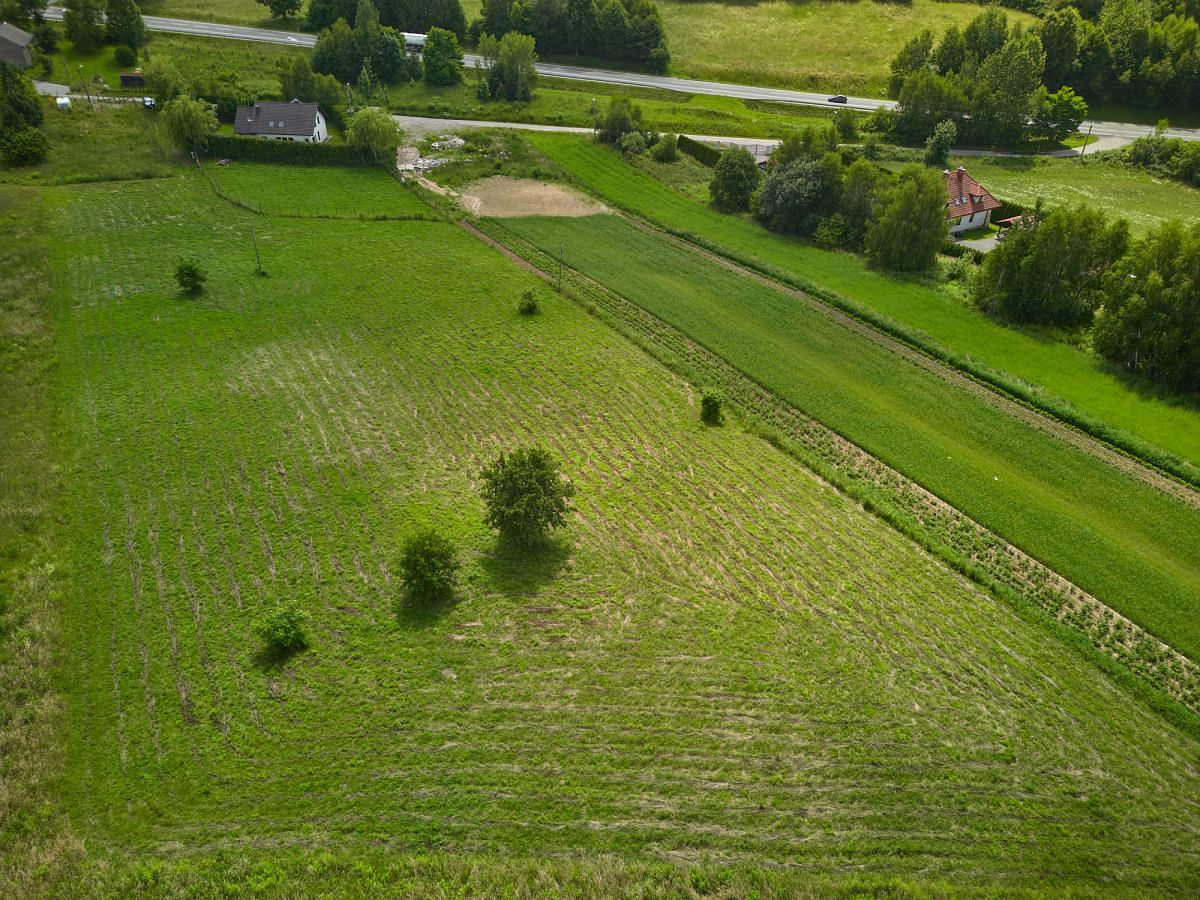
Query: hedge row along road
{"type": "Point", "coordinates": [607, 76]}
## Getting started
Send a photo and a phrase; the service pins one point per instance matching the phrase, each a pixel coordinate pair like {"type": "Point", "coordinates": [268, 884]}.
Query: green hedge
{"type": "Point", "coordinates": [223, 146]}
{"type": "Point", "coordinates": [704, 153]}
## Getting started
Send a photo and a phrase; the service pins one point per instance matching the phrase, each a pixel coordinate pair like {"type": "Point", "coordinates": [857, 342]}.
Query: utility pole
{"type": "Point", "coordinates": [258, 258]}
{"type": "Point", "coordinates": [84, 85]}
{"type": "Point", "coordinates": [1087, 140]}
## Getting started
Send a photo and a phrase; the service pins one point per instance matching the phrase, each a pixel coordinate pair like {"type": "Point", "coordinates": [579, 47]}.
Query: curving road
{"type": "Point", "coordinates": [608, 76]}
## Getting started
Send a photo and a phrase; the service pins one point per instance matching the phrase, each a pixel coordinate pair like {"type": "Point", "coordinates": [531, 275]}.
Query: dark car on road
{"type": "Point", "coordinates": [840, 98]}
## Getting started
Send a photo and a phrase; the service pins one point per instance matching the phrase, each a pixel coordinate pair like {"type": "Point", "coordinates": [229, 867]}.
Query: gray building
{"type": "Point", "coordinates": [14, 46]}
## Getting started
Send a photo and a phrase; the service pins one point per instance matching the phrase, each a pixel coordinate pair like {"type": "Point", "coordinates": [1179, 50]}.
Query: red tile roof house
{"type": "Point", "coordinates": [969, 205]}
{"type": "Point", "coordinates": [294, 121]}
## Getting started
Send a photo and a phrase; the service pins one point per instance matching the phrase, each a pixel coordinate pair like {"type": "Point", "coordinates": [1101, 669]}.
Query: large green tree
{"type": "Point", "coordinates": [735, 178]}
{"type": "Point", "coordinates": [526, 496]}
{"type": "Point", "coordinates": [910, 227]}
{"type": "Point", "coordinates": [188, 122]}
{"type": "Point", "coordinates": [913, 57]}
{"type": "Point", "coordinates": [1150, 321]}
{"type": "Point", "coordinates": [510, 63]}
{"type": "Point", "coordinates": [123, 23]}
{"type": "Point", "coordinates": [442, 57]}
{"type": "Point", "coordinates": [795, 197]}
{"type": "Point", "coordinates": [1051, 268]}
{"type": "Point", "coordinates": [281, 9]}
{"type": "Point", "coordinates": [374, 133]}
{"type": "Point", "coordinates": [1005, 90]}
{"type": "Point", "coordinates": [83, 24]}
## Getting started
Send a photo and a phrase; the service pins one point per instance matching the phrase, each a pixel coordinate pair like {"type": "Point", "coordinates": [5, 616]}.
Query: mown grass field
{"type": "Point", "coordinates": [1120, 190]}
{"type": "Point", "coordinates": [722, 659]}
{"type": "Point", "coordinates": [1047, 365]}
{"type": "Point", "coordinates": [296, 190]}
{"type": "Point", "coordinates": [826, 45]}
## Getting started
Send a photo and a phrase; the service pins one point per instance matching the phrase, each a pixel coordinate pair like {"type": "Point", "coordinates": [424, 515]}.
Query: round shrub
{"type": "Point", "coordinates": [24, 147]}
{"type": "Point", "coordinates": [710, 408]}
{"type": "Point", "coordinates": [632, 143]}
{"type": "Point", "coordinates": [428, 567]}
{"type": "Point", "coordinates": [525, 495]}
{"type": "Point", "coordinates": [282, 628]}
{"type": "Point", "coordinates": [190, 277]}
{"type": "Point", "coordinates": [124, 56]}
{"type": "Point", "coordinates": [529, 304]}
{"type": "Point", "coordinates": [667, 149]}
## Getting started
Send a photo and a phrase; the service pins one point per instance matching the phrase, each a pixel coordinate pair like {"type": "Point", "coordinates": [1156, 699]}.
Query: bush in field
{"type": "Point", "coordinates": [124, 56]}
{"type": "Point", "coordinates": [710, 408]}
{"type": "Point", "coordinates": [632, 144]}
{"type": "Point", "coordinates": [526, 496]}
{"type": "Point", "coordinates": [190, 277]}
{"type": "Point", "coordinates": [24, 147]}
{"type": "Point", "coordinates": [282, 628]}
{"type": "Point", "coordinates": [734, 180]}
{"type": "Point", "coordinates": [374, 133]}
{"type": "Point", "coordinates": [529, 304]}
{"type": "Point", "coordinates": [189, 122]}
{"type": "Point", "coordinates": [667, 149]}
{"type": "Point", "coordinates": [428, 567]}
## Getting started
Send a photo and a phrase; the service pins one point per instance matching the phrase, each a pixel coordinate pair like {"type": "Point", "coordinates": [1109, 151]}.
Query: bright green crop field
{"type": "Point", "coordinates": [1049, 366]}
{"type": "Point", "coordinates": [720, 662]}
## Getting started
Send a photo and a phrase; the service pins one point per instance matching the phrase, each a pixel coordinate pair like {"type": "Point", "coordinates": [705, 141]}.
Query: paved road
{"type": "Point", "coordinates": [606, 76]}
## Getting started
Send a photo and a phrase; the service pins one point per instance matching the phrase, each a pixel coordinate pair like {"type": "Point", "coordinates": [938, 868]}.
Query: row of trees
{"type": "Point", "coordinates": [616, 29]}
{"type": "Point", "coordinates": [1073, 266]}
{"type": "Point", "coordinates": [1171, 157]}
{"type": "Point", "coordinates": [987, 80]}
{"type": "Point", "coordinates": [22, 142]}
{"type": "Point", "coordinates": [89, 23]}
{"type": "Point", "coordinates": [403, 15]}
{"type": "Point", "coordinates": [809, 191]}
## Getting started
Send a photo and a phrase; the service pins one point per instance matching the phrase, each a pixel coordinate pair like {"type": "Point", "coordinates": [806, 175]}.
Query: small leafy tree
{"type": "Point", "coordinates": [189, 121]}
{"type": "Point", "coordinates": [667, 149]}
{"type": "Point", "coordinates": [526, 496]}
{"type": "Point", "coordinates": [190, 277]}
{"type": "Point", "coordinates": [124, 56]}
{"type": "Point", "coordinates": [937, 147]}
{"type": "Point", "coordinates": [710, 408]}
{"type": "Point", "coordinates": [734, 179]}
{"type": "Point", "coordinates": [282, 628]}
{"type": "Point", "coordinates": [442, 57]}
{"type": "Point", "coordinates": [510, 70]}
{"type": "Point", "coordinates": [374, 133]}
{"type": "Point", "coordinates": [529, 304]}
{"type": "Point", "coordinates": [621, 117]}
{"type": "Point", "coordinates": [632, 144]}
{"type": "Point", "coordinates": [163, 79]}
{"type": "Point", "coordinates": [428, 567]}
{"type": "Point", "coordinates": [911, 226]}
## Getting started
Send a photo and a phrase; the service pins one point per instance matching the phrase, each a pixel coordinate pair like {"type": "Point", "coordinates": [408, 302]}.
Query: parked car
{"type": "Point", "coordinates": [148, 102]}
{"type": "Point", "coordinates": [840, 98]}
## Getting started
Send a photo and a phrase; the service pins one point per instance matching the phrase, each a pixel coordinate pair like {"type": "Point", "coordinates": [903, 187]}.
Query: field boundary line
{"type": "Point", "coordinates": [1030, 414]}
{"type": "Point", "coordinates": [939, 527]}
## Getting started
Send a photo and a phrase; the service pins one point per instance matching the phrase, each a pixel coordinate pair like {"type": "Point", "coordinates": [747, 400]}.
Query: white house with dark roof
{"type": "Point", "coordinates": [294, 121]}
{"type": "Point", "coordinates": [14, 45]}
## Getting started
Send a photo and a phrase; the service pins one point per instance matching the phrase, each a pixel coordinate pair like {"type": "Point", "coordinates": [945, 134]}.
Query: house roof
{"type": "Point", "coordinates": [14, 35]}
{"type": "Point", "coordinates": [276, 118]}
{"type": "Point", "coordinates": [965, 195]}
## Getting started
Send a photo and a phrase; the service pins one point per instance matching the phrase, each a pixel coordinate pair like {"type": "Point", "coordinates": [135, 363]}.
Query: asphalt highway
{"type": "Point", "coordinates": [608, 76]}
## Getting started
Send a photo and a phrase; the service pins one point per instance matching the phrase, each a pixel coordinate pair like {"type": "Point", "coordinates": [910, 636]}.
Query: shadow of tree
{"type": "Point", "coordinates": [272, 659]}
{"type": "Point", "coordinates": [417, 613]}
{"type": "Point", "coordinates": [524, 571]}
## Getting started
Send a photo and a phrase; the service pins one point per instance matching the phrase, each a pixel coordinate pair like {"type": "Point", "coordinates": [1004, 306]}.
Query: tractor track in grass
{"type": "Point", "coordinates": [990, 394]}
{"type": "Point", "coordinates": [934, 522]}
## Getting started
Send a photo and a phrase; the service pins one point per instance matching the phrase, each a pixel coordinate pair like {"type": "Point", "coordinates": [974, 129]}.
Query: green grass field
{"type": "Point", "coordinates": [1119, 190]}
{"type": "Point", "coordinates": [1047, 365]}
{"type": "Point", "coordinates": [1122, 541]}
{"type": "Point", "coordinates": [825, 45]}
{"type": "Point", "coordinates": [296, 190]}
{"type": "Point", "coordinates": [721, 661]}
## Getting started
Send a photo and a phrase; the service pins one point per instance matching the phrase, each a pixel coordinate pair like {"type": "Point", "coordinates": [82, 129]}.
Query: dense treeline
{"type": "Point", "coordinates": [22, 142]}
{"type": "Point", "coordinates": [403, 15]}
{"type": "Point", "coordinates": [617, 29]}
{"type": "Point", "coordinates": [1073, 266]}
{"type": "Point", "coordinates": [1172, 157]}
{"type": "Point", "coordinates": [987, 80]}
{"type": "Point", "coordinates": [369, 52]}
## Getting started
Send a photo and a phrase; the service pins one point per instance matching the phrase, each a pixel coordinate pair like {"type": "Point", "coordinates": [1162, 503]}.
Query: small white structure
{"type": "Point", "coordinates": [294, 121]}
{"type": "Point", "coordinates": [63, 103]}
{"type": "Point", "coordinates": [969, 205]}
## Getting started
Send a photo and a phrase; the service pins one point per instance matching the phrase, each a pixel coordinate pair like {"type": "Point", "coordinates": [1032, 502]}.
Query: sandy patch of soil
{"type": "Point", "coordinates": [503, 197]}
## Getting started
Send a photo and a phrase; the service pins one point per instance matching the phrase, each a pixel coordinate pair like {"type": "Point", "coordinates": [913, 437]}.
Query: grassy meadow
{"type": "Point", "coordinates": [1048, 366]}
{"type": "Point", "coordinates": [722, 662]}
{"type": "Point", "coordinates": [839, 46]}
{"type": "Point", "coordinates": [1101, 182]}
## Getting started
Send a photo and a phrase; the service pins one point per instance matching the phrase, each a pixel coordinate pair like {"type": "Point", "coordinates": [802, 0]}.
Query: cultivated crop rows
{"type": "Point", "coordinates": [937, 523]}
{"type": "Point", "coordinates": [723, 659]}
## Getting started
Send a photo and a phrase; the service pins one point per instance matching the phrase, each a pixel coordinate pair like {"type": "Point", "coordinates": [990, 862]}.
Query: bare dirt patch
{"type": "Point", "coordinates": [503, 197]}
